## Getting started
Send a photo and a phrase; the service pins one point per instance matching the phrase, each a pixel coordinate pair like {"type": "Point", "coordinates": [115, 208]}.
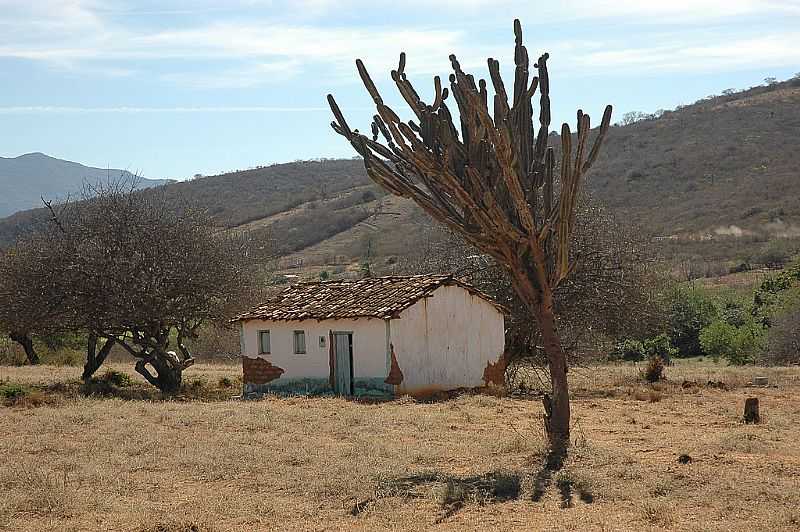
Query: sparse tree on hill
{"type": "Point", "coordinates": [632, 117]}
{"type": "Point", "coordinates": [493, 181]}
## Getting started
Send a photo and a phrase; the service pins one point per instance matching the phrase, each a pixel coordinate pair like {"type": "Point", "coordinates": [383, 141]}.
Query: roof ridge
{"type": "Point", "coordinates": [432, 276]}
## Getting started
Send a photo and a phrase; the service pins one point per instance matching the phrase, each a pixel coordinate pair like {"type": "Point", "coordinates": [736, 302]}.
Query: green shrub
{"type": "Point", "coordinates": [691, 310]}
{"type": "Point", "coordinates": [738, 345]}
{"type": "Point", "coordinates": [629, 350]}
{"type": "Point", "coordinates": [659, 346]}
{"type": "Point", "coordinates": [773, 290]}
{"type": "Point", "coordinates": [13, 390]}
{"type": "Point", "coordinates": [719, 339]}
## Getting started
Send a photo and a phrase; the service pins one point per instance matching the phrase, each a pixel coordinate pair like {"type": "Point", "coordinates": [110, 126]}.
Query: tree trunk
{"type": "Point", "coordinates": [95, 359]}
{"type": "Point", "coordinates": [26, 342]}
{"type": "Point", "coordinates": [557, 418]}
{"type": "Point", "coordinates": [169, 372]}
{"type": "Point", "coordinates": [540, 304]}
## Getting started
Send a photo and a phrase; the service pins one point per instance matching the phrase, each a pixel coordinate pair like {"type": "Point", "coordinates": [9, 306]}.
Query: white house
{"type": "Point", "coordinates": [377, 336]}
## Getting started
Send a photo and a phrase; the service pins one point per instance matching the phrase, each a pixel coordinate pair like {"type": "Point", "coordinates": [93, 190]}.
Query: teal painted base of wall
{"type": "Point", "coordinates": [362, 387]}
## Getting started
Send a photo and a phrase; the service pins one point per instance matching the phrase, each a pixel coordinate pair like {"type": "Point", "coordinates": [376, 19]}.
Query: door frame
{"type": "Point", "coordinates": [336, 358]}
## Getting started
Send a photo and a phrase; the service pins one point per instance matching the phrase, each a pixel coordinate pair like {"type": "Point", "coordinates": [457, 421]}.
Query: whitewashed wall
{"type": "Point", "coordinates": [369, 346]}
{"type": "Point", "coordinates": [445, 341]}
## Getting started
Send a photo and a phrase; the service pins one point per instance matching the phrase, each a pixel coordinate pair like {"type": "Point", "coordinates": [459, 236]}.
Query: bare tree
{"type": "Point", "coordinates": [492, 181]}
{"type": "Point", "coordinates": [147, 273]}
{"type": "Point", "coordinates": [617, 289]}
{"type": "Point", "coordinates": [131, 268]}
{"type": "Point", "coordinates": [783, 339]}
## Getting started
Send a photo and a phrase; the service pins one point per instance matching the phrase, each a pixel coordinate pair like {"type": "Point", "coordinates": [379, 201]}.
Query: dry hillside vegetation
{"type": "Point", "coordinates": [725, 166]}
{"type": "Point", "coordinates": [470, 463]}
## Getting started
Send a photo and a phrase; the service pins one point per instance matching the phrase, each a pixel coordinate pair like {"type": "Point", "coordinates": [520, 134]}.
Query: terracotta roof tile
{"type": "Point", "coordinates": [374, 297]}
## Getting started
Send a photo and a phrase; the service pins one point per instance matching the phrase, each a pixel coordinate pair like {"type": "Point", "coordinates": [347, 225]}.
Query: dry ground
{"type": "Point", "coordinates": [471, 463]}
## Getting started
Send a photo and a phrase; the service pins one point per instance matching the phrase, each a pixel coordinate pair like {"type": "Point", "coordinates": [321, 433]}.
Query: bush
{"type": "Point", "coordinates": [13, 390]}
{"type": "Point", "coordinates": [654, 371]}
{"type": "Point", "coordinates": [690, 311]}
{"type": "Point", "coordinates": [660, 346]}
{"type": "Point", "coordinates": [117, 378]}
{"type": "Point", "coordinates": [629, 350]}
{"type": "Point", "coordinates": [738, 345]}
{"type": "Point", "coordinates": [719, 339]}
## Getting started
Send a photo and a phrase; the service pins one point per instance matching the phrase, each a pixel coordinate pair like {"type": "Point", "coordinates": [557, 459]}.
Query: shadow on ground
{"type": "Point", "coordinates": [553, 463]}
{"type": "Point", "coordinates": [454, 492]}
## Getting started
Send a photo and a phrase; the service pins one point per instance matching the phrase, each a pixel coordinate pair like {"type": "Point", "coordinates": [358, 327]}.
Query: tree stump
{"type": "Point", "coordinates": [751, 410]}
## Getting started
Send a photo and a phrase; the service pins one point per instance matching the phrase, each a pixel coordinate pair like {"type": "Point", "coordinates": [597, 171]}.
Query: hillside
{"type": "Point", "coordinates": [714, 180]}
{"type": "Point", "coordinates": [25, 179]}
{"type": "Point", "coordinates": [726, 166]}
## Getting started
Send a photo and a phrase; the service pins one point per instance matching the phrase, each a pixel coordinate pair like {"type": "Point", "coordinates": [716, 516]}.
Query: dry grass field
{"type": "Point", "coordinates": [207, 462]}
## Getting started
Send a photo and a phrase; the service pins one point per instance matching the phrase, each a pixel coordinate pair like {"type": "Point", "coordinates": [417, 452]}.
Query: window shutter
{"type": "Point", "coordinates": [263, 342]}
{"type": "Point", "coordinates": [299, 342]}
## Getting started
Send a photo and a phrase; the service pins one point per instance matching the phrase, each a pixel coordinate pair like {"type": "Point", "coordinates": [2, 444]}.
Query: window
{"type": "Point", "coordinates": [299, 342]}
{"type": "Point", "coordinates": [263, 343]}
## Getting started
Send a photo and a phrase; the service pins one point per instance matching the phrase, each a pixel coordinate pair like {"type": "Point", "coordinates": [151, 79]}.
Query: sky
{"type": "Point", "coordinates": [173, 88]}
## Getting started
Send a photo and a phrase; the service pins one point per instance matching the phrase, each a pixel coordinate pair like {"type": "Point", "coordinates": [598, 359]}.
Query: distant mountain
{"type": "Point", "coordinates": [27, 178]}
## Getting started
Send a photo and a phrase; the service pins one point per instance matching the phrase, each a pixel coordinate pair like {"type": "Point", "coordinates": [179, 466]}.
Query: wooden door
{"type": "Point", "coordinates": [343, 351]}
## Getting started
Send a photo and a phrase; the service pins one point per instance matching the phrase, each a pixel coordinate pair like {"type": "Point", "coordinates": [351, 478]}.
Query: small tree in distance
{"type": "Point", "coordinates": [493, 181]}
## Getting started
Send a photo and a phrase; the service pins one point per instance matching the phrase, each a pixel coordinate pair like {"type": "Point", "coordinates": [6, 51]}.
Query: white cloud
{"type": "Point", "coordinates": [725, 53]}
{"type": "Point", "coordinates": [88, 35]}
{"type": "Point", "coordinates": [661, 11]}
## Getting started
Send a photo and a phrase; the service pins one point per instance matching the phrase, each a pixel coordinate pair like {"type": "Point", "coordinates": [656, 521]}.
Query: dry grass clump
{"type": "Point", "coordinates": [659, 514]}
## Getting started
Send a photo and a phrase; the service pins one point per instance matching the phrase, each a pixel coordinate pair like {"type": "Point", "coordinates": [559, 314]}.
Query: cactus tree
{"type": "Point", "coordinates": [493, 179]}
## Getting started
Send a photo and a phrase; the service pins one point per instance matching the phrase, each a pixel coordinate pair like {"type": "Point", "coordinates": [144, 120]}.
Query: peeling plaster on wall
{"type": "Point", "coordinates": [259, 371]}
{"type": "Point", "coordinates": [395, 376]}
{"type": "Point", "coordinates": [495, 373]}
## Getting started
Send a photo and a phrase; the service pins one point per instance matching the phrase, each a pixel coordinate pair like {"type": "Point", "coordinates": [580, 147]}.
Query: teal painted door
{"type": "Point", "coordinates": [343, 347]}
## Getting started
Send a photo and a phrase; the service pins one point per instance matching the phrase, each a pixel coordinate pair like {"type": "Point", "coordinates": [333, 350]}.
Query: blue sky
{"type": "Point", "coordinates": [171, 88]}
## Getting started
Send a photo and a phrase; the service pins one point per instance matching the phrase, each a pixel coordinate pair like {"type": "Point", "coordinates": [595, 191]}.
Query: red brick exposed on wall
{"type": "Point", "coordinates": [259, 371]}
{"type": "Point", "coordinates": [495, 373]}
{"type": "Point", "coordinates": [395, 376]}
